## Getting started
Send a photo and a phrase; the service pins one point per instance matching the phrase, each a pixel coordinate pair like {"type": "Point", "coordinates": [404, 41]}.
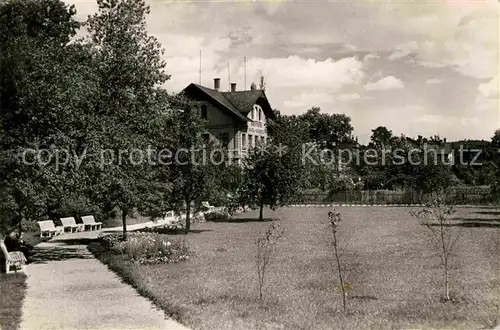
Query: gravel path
{"type": "Point", "coordinates": [69, 289]}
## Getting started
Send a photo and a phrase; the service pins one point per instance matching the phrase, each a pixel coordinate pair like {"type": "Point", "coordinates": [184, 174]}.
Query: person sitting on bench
{"type": "Point", "coordinates": [13, 242]}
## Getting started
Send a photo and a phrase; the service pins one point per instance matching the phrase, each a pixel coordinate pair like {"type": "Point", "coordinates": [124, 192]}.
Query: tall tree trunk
{"type": "Point", "coordinates": [261, 211]}
{"type": "Point", "coordinates": [124, 222]}
{"type": "Point", "coordinates": [445, 259]}
{"type": "Point", "coordinates": [446, 281]}
{"type": "Point", "coordinates": [188, 217]}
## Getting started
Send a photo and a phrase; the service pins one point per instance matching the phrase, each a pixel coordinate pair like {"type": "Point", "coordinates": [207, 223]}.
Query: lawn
{"type": "Point", "coordinates": [12, 291]}
{"type": "Point", "coordinates": [395, 275]}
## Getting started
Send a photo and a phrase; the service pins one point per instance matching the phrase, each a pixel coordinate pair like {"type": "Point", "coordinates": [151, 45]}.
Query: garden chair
{"type": "Point", "coordinates": [70, 223]}
{"type": "Point", "coordinates": [14, 259]}
{"type": "Point", "coordinates": [89, 221]}
{"type": "Point", "coordinates": [48, 229]}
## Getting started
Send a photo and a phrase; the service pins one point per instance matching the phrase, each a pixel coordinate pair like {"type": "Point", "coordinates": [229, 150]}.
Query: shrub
{"type": "Point", "coordinates": [197, 218]}
{"type": "Point", "coordinates": [173, 229]}
{"type": "Point", "coordinates": [147, 248]}
{"type": "Point", "coordinates": [267, 245]}
{"type": "Point", "coordinates": [217, 216]}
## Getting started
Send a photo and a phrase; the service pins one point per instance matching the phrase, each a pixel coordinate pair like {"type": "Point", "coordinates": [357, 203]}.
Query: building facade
{"type": "Point", "coordinates": [236, 120]}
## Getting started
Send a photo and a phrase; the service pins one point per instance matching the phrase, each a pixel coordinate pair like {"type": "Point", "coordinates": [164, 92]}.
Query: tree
{"type": "Point", "coordinates": [436, 139]}
{"type": "Point", "coordinates": [274, 173]}
{"type": "Point", "coordinates": [436, 217]}
{"type": "Point", "coordinates": [495, 140]}
{"type": "Point", "coordinates": [194, 168]}
{"type": "Point", "coordinates": [267, 245]}
{"type": "Point", "coordinates": [129, 68]}
{"type": "Point", "coordinates": [293, 133]}
{"type": "Point", "coordinates": [270, 177]}
{"type": "Point", "coordinates": [381, 137]}
{"type": "Point", "coordinates": [37, 68]}
{"type": "Point", "coordinates": [328, 131]}
{"type": "Point", "coordinates": [335, 218]}
{"type": "Point", "coordinates": [495, 144]}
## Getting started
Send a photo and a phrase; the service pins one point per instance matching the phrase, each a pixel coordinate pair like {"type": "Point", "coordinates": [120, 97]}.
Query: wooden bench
{"type": "Point", "coordinates": [14, 259]}
{"type": "Point", "coordinates": [48, 229]}
{"type": "Point", "coordinates": [70, 223]}
{"type": "Point", "coordinates": [89, 221]}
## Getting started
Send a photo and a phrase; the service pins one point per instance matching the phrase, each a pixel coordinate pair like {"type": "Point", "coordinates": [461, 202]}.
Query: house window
{"type": "Point", "coordinates": [224, 139]}
{"type": "Point", "coordinates": [250, 141]}
{"type": "Point", "coordinates": [204, 113]}
{"type": "Point", "coordinates": [243, 141]}
{"type": "Point", "coordinates": [260, 114]}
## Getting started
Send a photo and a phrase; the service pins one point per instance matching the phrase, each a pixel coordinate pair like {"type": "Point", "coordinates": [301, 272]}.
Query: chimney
{"type": "Point", "coordinates": [216, 83]}
{"type": "Point", "coordinates": [233, 87]}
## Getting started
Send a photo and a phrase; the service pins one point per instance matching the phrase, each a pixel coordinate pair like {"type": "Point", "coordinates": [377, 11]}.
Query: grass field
{"type": "Point", "coordinates": [12, 291]}
{"type": "Point", "coordinates": [395, 275]}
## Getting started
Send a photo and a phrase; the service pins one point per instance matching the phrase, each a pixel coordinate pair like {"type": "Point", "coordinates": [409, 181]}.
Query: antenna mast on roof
{"type": "Point", "coordinates": [229, 76]}
{"type": "Point", "coordinates": [245, 69]}
{"type": "Point", "coordinates": [200, 67]}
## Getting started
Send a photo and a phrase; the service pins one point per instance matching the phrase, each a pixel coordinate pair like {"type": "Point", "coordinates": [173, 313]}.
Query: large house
{"type": "Point", "coordinates": [235, 119]}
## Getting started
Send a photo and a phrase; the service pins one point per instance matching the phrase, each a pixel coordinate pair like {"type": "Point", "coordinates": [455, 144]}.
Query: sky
{"type": "Point", "coordinates": [416, 67]}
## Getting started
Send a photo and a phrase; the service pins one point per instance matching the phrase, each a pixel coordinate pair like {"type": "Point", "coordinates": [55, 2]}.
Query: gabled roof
{"type": "Point", "coordinates": [239, 103]}
{"type": "Point", "coordinates": [245, 100]}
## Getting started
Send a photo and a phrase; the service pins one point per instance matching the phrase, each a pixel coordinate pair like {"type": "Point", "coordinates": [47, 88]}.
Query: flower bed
{"type": "Point", "coordinates": [173, 229]}
{"type": "Point", "coordinates": [147, 248]}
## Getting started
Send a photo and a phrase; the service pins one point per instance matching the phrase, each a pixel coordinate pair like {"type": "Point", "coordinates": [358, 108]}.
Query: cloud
{"type": "Point", "coordinates": [292, 104]}
{"type": "Point", "coordinates": [462, 36]}
{"type": "Point", "coordinates": [428, 119]}
{"type": "Point", "coordinates": [183, 61]}
{"type": "Point", "coordinates": [469, 121]}
{"type": "Point", "coordinates": [399, 119]}
{"type": "Point", "coordinates": [319, 53]}
{"type": "Point", "coordinates": [386, 83]}
{"type": "Point", "coordinates": [370, 56]}
{"type": "Point", "coordinates": [348, 97]}
{"type": "Point", "coordinates": [400, 53]}
{"type": "Point", "coordinates": [295, 71]}
{"type": "Point", "coordinates": [309, 99]}
{"type": "Point", "coordinates": [433, 81]}
{"type": "Point", "coordinates": [490, 89]}
{"type": "Point", "coordinates": [488, 99]}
